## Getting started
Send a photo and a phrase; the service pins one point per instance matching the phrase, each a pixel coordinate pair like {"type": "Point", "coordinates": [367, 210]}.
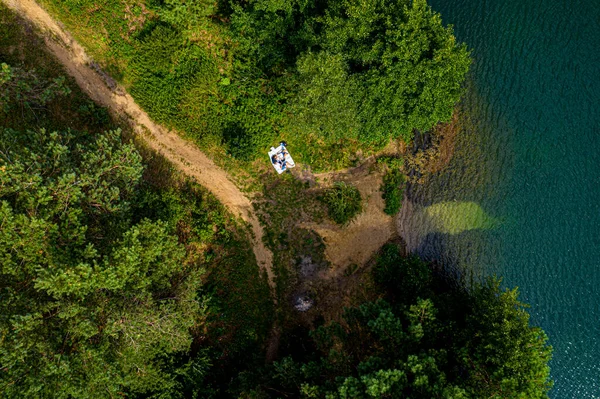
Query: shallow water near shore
{"type": "Point", "coordinates": [529, 157]}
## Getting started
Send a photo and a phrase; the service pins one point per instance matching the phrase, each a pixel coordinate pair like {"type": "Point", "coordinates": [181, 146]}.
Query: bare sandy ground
{"type": "Point", "coordinates": [355, 243]}
{"type": "Point", "coordinates": [185, 156]}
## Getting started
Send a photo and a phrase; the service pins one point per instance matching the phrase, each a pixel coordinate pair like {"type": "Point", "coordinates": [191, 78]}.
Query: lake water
{"type": "Point", "coordinates": [526, 171]}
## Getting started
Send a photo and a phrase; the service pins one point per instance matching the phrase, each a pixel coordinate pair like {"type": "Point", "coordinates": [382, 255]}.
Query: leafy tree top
{"type": "Point", "coordinates": [370, 70]}
{"type": "Point", "coordinates": [90, 301]}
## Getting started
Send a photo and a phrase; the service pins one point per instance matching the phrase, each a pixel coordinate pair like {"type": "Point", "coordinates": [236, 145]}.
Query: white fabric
{"type": "Point", "coordinates": [289, 162]}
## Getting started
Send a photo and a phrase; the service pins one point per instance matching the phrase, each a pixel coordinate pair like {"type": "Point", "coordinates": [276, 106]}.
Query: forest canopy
{"type": "Point", "coordinates": [120, 278]}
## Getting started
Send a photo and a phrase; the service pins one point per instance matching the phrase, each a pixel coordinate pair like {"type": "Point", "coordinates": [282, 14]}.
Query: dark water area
{"type": "Point", "coordinates": [521, 196]}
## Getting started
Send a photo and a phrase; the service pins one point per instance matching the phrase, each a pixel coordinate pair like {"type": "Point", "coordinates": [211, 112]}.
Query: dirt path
{"type": "Point", "coordinates": [185, 156]}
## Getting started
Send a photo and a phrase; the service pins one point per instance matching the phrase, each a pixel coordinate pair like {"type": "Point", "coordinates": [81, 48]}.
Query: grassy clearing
{"type": "Point", "coordinates": [286, 203]}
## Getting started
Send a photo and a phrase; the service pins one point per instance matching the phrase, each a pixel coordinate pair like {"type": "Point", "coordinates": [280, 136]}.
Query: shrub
{"type": "Point", "coordinates": [392, 190]}
{"type": "Point", "coordinates": [163, 67]}
{"type": "Point", "coordinates": [343, 202]}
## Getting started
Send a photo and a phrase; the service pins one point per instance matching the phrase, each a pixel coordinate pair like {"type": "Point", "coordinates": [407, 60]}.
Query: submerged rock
{"type": "Point", "coordinates": [454, 217]}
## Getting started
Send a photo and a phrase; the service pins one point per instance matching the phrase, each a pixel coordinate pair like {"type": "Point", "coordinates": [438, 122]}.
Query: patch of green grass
{"type": "Point", "coordinates": [323, 156]}
{"type": "Point", "coordinates": [343, 202]}
{"type": "Point", "coordinates": [286, 203]}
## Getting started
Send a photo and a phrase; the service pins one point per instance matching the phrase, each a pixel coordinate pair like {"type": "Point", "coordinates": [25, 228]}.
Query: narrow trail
{"type": "Point", "coordinates": [185, 156]}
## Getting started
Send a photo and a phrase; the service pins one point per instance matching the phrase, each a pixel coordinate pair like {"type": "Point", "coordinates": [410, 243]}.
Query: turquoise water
{"type": "Point", "coordinates": [530, 158]}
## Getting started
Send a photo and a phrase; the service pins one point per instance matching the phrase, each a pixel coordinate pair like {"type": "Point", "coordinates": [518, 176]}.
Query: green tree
{"type": "Point", "coordinates": [374, 353]}
{"type": "Point", "coordinates": [328, 100]}
{"type": "Point", "coordinates": [507, 357]}
{"type": "Point", "coordinates": [407, 66]}
{"type": "Point", "coordinates": [367, 70]}
{"type": "Point", "coordinates": [25, 88]}
{"type": "Point", "coordinates": [272, 34]}
{"type": "Point", "coordinates": [91, 304]}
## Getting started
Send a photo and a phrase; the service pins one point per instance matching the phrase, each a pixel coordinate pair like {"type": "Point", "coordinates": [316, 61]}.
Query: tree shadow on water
{"type": "Point", "coordinates": [449, 256]}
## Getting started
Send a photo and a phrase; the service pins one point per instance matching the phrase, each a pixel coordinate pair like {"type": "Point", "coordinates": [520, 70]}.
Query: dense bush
{"type": "Point", "coordinates": [343, 202]}
{"type": "Point", "coordinates": [392, 191]}
{"type": "Point", "coordinates": [315, 73]}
